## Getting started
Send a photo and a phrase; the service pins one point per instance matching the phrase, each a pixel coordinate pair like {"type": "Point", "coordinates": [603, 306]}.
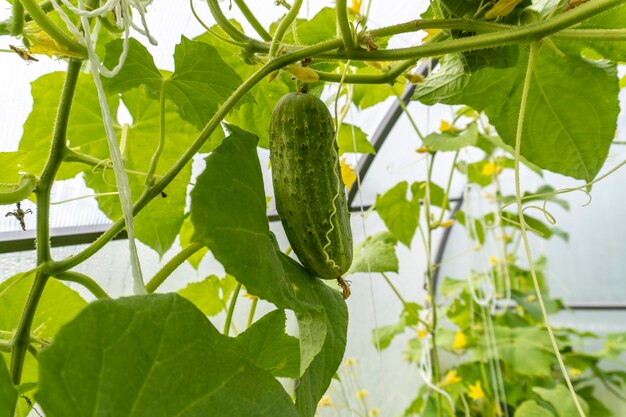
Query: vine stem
{"type": "Point", "coordinates": [21, 340]}
{"type": "Point", "coordinates": [258, 27]}
{"type": "Point", "coordinates": [231, 309]}
{"type": "Point", "coordinates": [48, 26]}
{"type": "Point", "coordinates": [160, 277]}
{"type": "Point", "coordinates": [343, 24]}
{"type": "Point", "coordinates": [252, 311]}
{"type": "Point", "coordinates": [85, 281]}
{"type": "Point", "coordinates": [283, 26]}
{"type": "Point", "coordinates": [534, 50]}
{"type": "Point", "coordinates": [157, 153]}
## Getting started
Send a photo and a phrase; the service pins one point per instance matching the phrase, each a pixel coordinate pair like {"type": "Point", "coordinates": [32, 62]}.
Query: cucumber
{"type": "Point", "coordinates": [310, 196]}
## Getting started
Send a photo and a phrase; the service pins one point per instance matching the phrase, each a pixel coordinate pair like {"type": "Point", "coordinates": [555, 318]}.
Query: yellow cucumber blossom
{"type": "Point", "coordinates": [476, 392]}
{"type": "Point", "coordinates": [460, 341]}
{"type": "Point", "coordinates": [451, 377]}
{"type": "Point", "coordinates": [41, 43]}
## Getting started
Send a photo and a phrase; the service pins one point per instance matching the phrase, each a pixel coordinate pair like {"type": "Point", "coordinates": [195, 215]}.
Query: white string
{"type": "Point", "coordinates": [425, 368]}
{"type": "Point", "coordinates": [123, 9]}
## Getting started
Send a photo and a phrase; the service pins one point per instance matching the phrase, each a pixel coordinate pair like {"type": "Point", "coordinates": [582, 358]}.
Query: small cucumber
{"type": "Point", "coordinates": [309, 193]}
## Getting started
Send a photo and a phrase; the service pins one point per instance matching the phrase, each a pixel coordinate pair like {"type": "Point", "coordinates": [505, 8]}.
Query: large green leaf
{"type": "Point", "coordinates": [158, 224]}
{"type": "Point", "coordinates": [400, 215]}
{"type": "Point", "coordinates": [85, 126]}
{"type": "Point", "coordinates": [58, 305]}
{"type": "Point", "coordinates": [531, 409]}
{"type": "Point", "coordinates": [315, 381]}
{"type": "Point", "coordinates": [228, 210]}
{"type": "Point", "coordinates": [154, 355]}
{"type": "Point", "coordinates": [267, 344]}
{"type": "Point", "coordinates": [568, 126]}
{"type": "Point", "coordinates": [452, 141]}
{"type": "Point", "coordinates": [8, 393]}
{"type": "Point", "coordinates": [526, 349]}
{"type": "Point", "coordinates": [11, 163]}
{"type": "Point", "coordinates": [561, 399]}
{"type": "Point", "coordinates": [377, 253]}
{"type": "Point", "coordinates": [201, 82]}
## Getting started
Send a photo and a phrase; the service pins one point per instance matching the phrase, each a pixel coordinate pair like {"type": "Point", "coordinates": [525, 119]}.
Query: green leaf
{"type": "Point", "coordinates": [526, 349]}
{"type": "Point", "coordinates": [228, 212]}
{"type": "Point", "coordinates": [11, 163]}
{"type": "Point", "coordinates": [159, 224]}
{"type": "Point", "coordinates": [400, 215]}
{"type": "Point", "coordinates": [352, 139]}
{"type": "Point", "coordinates": [8, 393]}
{"type": "Point", "coordinates": [529, 302]}
{"type": "Point", "coordinates": [85, 127]}
{"type": "Point", "coordinates": [267, 344]}
{"type": "Point", "coordinates": [139, 68]}
{"type": "Point", "coordinates": [535, 225]}
{"type": "Point", "coordinates": [613, 19]}
{"type": "Point", "coordinates": [254, 117]}
{"type": "Point", "coordinates": [377, 253]}
{"type": "Point", "coordinates": [186, 238]}
{"type": "Point", "coordinates": [568, 126]}
{"type": "Point", "coordinates": [58, 305]}
{"type": "Point", "coordinates": [315, 381]}
{"type": "Point", "coordinates": [211, 294]}
{"type": "Point", "coordinates": [437, 194]}
{"type": "Point", "coordinates": [384, 335]}
{"type": "Point", "coordinates": [154, 355]}
{"type": "Point", "coordinates": [530, 408]}
{"type": "Point", "coordinates": [319, 28]}
{"type": "Point", "coordinates": [561, 399]}
{"type": "Point", "coordinates": [201, 82]}
{"type": "Point", "coordinates": [367, 95]}
{"type": "Point", "coordinates": [452, 141]}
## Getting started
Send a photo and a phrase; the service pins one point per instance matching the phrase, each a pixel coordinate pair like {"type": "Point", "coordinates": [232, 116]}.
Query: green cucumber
{"type": "Point", "coordinates": [309, 193]}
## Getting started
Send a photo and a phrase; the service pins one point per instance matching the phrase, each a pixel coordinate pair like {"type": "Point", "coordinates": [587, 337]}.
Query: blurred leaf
{"type": "Point", "coordinates": [526, 349]}
{"type": "Point", "coordinates": [529, 302]}
{"type": "Point", "coordinates": [376, 253]}
{"type": "Point", "coordinates": [267, 344]}
{"type": "Point", "coordinates": [400, 215]}
{"type": "Point", "coordinates": [352, 139]}
{"type": "Point", "coordinates": [530, 408]}
{"type": "Point", "coordinates": [368, 95]}
{"type": "Point", "coordinates": [211, 294]}
{"type": "Point", "coordinates": [560, 398]}
{"type": "Point", "coordinates": [153, 355]}
{"type": "Point", "coordinates": [437, 194]}
{"type": "Point", "coordinates": [452, 141]}
{"type": "Point", "coordinates": [383, 336]}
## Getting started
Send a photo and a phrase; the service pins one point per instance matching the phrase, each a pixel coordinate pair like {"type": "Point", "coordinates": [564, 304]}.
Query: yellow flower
{"type": "Point", "coordinates": [348, 174]}
{"type": "Point", "coordinates": [413, 78]}
{"type": "Point", "coordinates": [325, 401]}
{"type": "Point", "coordinates": [355, 7]}
{"type": "Point", "coordinates": [460, 341]}
{"type": "Point", "coordinates": [451, 378]}
{"type": "Point", "coordinates": [362, 393]}
{"type": "Point", "coordinates": [447, 223]}
{"type": "Point", "coordinates": [493, 260]}
{"type": "Point", "coordinates": [430, 33]}
{"type": "Point", "coordinates": [476, 392]}
{"type": "Point", "coordinates": [447, 127]}
{"type": "Point", "coordinates": [41, 43]}
{"type": "Point", "coordinates": [421, 333]}
{"type": "Point", "coordinates": [350, 361]}
{"type": "Point", "coordinates": [491, 169]}
{"type": "Point", "coordinates": [374, 412]}
{"type": "Point", "coordinates": [575, 372]}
